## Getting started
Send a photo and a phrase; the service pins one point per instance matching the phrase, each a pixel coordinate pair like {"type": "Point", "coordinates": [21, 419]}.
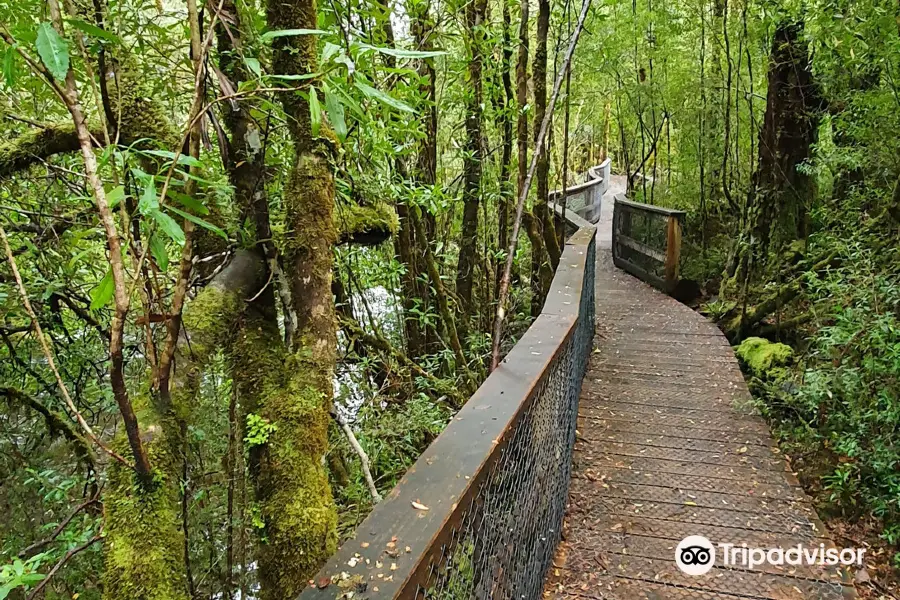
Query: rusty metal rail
{"type": "Point", "coordinates": [646, 242]}
{"type": "Point", "coordinates": [479, 514]}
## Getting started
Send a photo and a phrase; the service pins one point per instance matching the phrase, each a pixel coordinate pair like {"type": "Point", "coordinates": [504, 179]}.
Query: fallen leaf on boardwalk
{"type": "Point", "coordinates": [419, 506]}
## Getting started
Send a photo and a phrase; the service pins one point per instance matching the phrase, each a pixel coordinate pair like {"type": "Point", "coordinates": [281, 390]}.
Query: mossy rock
{"type": "Point", "coordinates": [765, 359]}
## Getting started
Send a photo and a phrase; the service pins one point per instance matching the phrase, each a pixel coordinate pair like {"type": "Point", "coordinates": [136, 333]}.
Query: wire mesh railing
{"type": "Point", "coordinates": [480, 513]}
{"type": "Point", "coordinates": [584, 198]}
{"type": "Point", "coordinates": [646, 242]}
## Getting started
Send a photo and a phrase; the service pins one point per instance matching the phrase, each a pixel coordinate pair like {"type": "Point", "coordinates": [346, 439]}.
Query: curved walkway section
{"type": "Point", "coordinates": [667, 447]}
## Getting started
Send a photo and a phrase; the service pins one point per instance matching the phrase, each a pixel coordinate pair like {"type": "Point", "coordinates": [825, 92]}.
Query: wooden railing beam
{"type": "Point", "coordinates": [673, 252]}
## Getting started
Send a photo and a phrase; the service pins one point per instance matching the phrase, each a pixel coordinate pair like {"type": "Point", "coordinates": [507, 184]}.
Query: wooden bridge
{"type": "Point", "coordinates": [651, 399]}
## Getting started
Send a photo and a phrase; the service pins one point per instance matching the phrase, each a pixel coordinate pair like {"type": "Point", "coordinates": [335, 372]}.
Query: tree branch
{"type": "Point", "coordinates": [34, 593]}
{"type": "Point", "coordinates": [33, 548]}
{"type": "Point", "coordinates": [37, 145]}
{"type": "Point", "coordinates": [56, 422]}
{"type": "Point", "coordinates": [360, 452]}
{"type": "Point", "coordinates": [49, 355]}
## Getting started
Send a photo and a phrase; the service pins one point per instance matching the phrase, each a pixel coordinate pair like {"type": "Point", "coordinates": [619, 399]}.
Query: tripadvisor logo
{"type": "Point", "coordinates": [696, 555]}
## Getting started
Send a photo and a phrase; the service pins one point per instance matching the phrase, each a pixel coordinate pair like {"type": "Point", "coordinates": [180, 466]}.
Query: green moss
{"type": "Point", "coordinates": [143, 545]}
{"type": "Point", "coordinates": [209, 320]}
{"type": "Point", "coordinates": [765, 359]}
{"type": "Point", "coordinates": [133, 101]}
{"type": "Point", "coordinates": [292, 489]}
{"type": "Point", "coordinates": [366, 224]}
{"type": "Point", "coordinates": [311, 218]}
{"type": "Point", "coordinates": [36, 144]}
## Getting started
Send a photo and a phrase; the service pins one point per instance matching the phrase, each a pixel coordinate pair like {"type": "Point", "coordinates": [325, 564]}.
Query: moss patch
{"type": "Point", "coordinates": [291, 481]}
{"type": "Point", "coordinates": [765, 359]}
{"type": "Point", "coordinates": [143, 546]}
{"type": "Point", "coordinates": [367, 225]}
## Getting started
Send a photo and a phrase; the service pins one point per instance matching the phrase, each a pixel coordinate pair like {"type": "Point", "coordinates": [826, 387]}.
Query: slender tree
{"type": "Point", "coordinates": [475, 13]}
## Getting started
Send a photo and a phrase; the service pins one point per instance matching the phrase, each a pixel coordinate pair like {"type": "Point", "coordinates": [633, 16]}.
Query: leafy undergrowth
{"type": "Point", "coordinates": [393, 435]}
{"type": "Point", "coordinates": [833, 402]}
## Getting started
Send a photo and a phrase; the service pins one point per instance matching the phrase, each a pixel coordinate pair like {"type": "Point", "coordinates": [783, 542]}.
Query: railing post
{"type": "Point", "coordinates": [673, 252]}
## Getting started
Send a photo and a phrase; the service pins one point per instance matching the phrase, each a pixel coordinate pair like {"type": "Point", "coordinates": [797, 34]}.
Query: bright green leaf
{"type": "Point", "coordinates": [115, 196]}
{"type": "Point", "coordinates": [399, 53]}
{"type": "Point", "coordinates": [271, 35]}
{"type": "Point", "coordinates": [53, 50]}
{"type": "Point", "coordinates": [296, 77]}
{"type": "Point", "coordinates": [329, 51]}
{"type": "Point", "coordinates": [159, 251]}
{"type": "Point", "coordinates": [198, 221]}
{"type": "Point", "coordinates": [9, 67]}
{"type": "Point", "coordinates": [183, 159]}
{"type": "Point", "coordinates": [189, 203]}
{"type": "Point", "coordinates": [94, 31]}
{"type": "Point", "coordinates": [382, 97]}
{"type": "Point", "coordinates": [315, 112]}
{"type": "Point", "coordinates": [336, 114]}
{"type": "Point", "coordinates": [253, 65]}
{"type": "Point", "coordinates": [103, 293]}
{"type": "Point", "coordinates": [168, 226]}
{"type": "Point", "coordinates": [148, 202]}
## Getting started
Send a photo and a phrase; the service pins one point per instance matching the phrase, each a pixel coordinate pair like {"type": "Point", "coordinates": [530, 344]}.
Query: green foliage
{"type": "Point", "coordinates": [258, 430]}
{"type": "Point", "coordinates": [53, 50]}
{"type": "Point", "coordinates": [844, 398]}
{"type": "Point", "coordinates": [103, 293]}
{"type": "Point", "coordinates": [373, 94]}
{"type": "Point", "coordinates": [20, 574]}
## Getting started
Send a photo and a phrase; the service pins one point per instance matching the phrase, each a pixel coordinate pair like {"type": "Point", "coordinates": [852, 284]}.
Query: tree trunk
{"type": "Point", "coordinates": [781, 193]}
{"type": "Point", "coordinates": [541, 268]}
{"type": "Point", "coordinates": [294, 392]}
{"type": "Point", "coordinates": [475, 11]}
{"type": "Point", "coordinates": [521, 103]}
{"type": "Point", "coordinates": [507, 192]}
{"type": "Point", "coordinates": [421, 339]}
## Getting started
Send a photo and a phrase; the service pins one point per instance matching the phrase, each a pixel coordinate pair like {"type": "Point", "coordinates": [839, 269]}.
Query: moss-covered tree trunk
{"type": "Point", "coordinates": [144, 543]}
{"type": "Point", "coordinates": [781, 192]}
{"type": "Point", "coordinates": [295, 392]}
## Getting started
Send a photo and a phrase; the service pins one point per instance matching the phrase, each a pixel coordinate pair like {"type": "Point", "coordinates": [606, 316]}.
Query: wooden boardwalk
{"type": "Point", "coordinates": [667, 446]}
